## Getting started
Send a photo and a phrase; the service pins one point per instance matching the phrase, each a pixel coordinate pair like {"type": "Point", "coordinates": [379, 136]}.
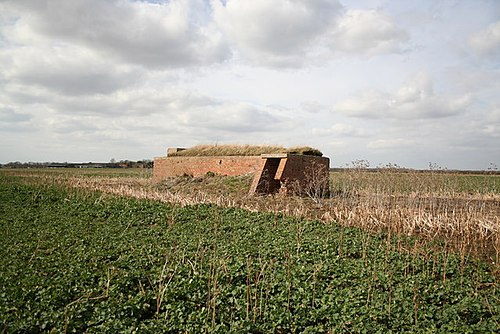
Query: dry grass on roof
{"type": "Point", "coordinates": [304, 150]}
{"type": "Point", "coordinates": [244, 150]}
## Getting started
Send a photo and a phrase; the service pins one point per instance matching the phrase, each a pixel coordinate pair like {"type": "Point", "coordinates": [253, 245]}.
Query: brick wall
{"type": "Point", "coordinates": [300, 166]}
{"type": "Point", "coordinates": [165, 167]}
{"type": "Point", "coordinates": [307, 174]}
{"type": "Point", "coordinates": [286, 173]}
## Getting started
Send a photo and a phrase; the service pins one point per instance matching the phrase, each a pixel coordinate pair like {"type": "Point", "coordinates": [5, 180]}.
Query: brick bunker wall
{"type": "Point", "coordinates": [300, 167]}
{"type": "Point", "coordinates": [289, 173]}
{"type": "Point", "coordinates": [309, 173]}
{"type": "Point", "coordinates": [165, 167]}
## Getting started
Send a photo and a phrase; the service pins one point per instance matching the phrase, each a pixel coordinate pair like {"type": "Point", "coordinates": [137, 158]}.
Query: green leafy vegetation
{"type": "Point", "coordinates": [74, 260]}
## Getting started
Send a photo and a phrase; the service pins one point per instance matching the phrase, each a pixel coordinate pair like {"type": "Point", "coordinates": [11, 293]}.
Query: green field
{"type": "Point", "coordinates": [75, 259]}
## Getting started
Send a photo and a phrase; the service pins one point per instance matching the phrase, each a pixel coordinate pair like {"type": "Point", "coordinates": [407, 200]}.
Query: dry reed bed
{"type": "Point", "coordinates": [467, 222]}
{"type": "Point", "coordinates": [471, 225]}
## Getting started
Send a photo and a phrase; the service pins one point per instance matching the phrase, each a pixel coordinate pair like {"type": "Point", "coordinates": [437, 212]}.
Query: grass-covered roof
{"type": "Point", "coordinates": [244, 150]}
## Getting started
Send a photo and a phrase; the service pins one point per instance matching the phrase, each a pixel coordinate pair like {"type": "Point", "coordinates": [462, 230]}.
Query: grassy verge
{"type": "Point", "coordinates": [75, 260]}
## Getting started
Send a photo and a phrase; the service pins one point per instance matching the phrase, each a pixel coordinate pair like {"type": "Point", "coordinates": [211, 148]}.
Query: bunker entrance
{"type": "Point", "coordinates": [268, 184]}
{"type": "Point", "coordinates": [268, 179]}
{"type": "Point", "coordinates": [284, 173]}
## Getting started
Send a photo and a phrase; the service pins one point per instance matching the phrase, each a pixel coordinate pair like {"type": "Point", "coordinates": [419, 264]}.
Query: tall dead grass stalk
{"type": "Point", "coordinates": [468, 222]}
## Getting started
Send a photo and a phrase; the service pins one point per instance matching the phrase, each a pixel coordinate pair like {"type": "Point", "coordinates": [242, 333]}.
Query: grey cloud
{"type": "Point", "coordinates": [156, 35]}
{"type": "Point", "coordinates": [483, 128]}
{"type": "Point", "coordinates": [313, 107]}
{"type": "Point", "coordinates": [159, 110]}
{"type": "Point", "coordinates": [340, 130]}
{"type": "Point", "coordinates": [477, 135]}
{"type": "Point", "coordinates": [193, 111]}
{"type": "Point", "coordinates": [390, 144]}
{"type": "Point", "coordinates": [414, 100]}
{"type": "Point", "coordinates": [137, 101]}
{"type": "Point", "coordinates": [67, 71]}
{"type": "Point", "coordinates": [183, 33]}
{"type": "Point", "coordinates": [367, 32]}
{"type": "Point", "coordinates": [288, 33]}
{"type": "Point", "coordinates": [473, 79]}
{"type": "Point", "coordinates": [8, 115]}
{"type": "Point", "coordinates": [62, 124]}
{"type": "Point", "coordinates": [487, 41]}
{"type": "Point", "coordinates": [95, 129]}
{"type": "Point", "coordinates": [232, 117]}
{"type": "Point", "coordinates": [275, 33]}
{"type": "Point", "coordinates": [13, 121]}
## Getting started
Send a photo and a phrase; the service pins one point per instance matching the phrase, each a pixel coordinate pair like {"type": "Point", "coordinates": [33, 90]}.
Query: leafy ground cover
{"type": "Point", "coordinates": [73, 260]}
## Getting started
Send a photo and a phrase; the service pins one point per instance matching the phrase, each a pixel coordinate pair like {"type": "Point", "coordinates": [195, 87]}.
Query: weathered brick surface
{"type": "Point", "coordinates": [285, 173]}
{"type": "Point", "coordinates": [293, 174]}
{"type": "Point", "coordinates": [165, 167]}
{"type": "Point", "coordinates": [305, 173]}
{"type": "Point", "coordinates": [302, 166]}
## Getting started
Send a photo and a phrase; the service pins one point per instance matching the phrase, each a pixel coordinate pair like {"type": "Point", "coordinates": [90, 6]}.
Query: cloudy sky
{"type": "Point", "coordinates": [405, 82]}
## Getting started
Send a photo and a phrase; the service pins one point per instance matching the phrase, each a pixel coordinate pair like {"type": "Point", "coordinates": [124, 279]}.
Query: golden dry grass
{"type": "Point", "coordinates": [432, 207]}
{"type": "Point", "coordinates": [244, 150]}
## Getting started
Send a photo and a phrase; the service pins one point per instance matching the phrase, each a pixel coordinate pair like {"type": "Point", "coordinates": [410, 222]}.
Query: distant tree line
{"type": "Point", "coordinates": [145, 163]}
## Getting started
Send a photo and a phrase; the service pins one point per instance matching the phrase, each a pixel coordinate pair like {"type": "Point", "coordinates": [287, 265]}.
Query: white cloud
{"type": "Point", "coordinates": [278, 32]}
{"type": "Point", "coordinates": [414, 100]}
{"type": "Point", "coordinates": [488, 126]}
{"type": "Point", "coordinates": [93, 79]}
{"type": "Point", "coordinates": [161, 109]}
{"type": "Point", "coordinates": [152, 35]}
{"type": "Point", "coordinates": [13, 121]}
{"type": "Point", "coordinates": [11, 116]}
{"type": "Point", "coordinates": [72, 71]}
{"type": "Point", "coordinates": [234, 117]}
{"type": "Point", "coordinates": [183, 33]}
{"type": "Point", "coordinates": [479, 134]}
{"type": "Point", "coordinates": [388, 144]}
{"type": "Point", "coordinates": [368, 32]}
{"type": "Point", "coordinates": [340, 130]}
{"type": "Point", "coordinates": [292, 32]}
{"type": "Point", "coordinates": [487, 41]}
{"type": "Point", "coordinates": [467, 79]}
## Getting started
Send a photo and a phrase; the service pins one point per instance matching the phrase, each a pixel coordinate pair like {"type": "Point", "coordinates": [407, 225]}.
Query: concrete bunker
{"type": "Point", "coordinates": [278, 170]}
